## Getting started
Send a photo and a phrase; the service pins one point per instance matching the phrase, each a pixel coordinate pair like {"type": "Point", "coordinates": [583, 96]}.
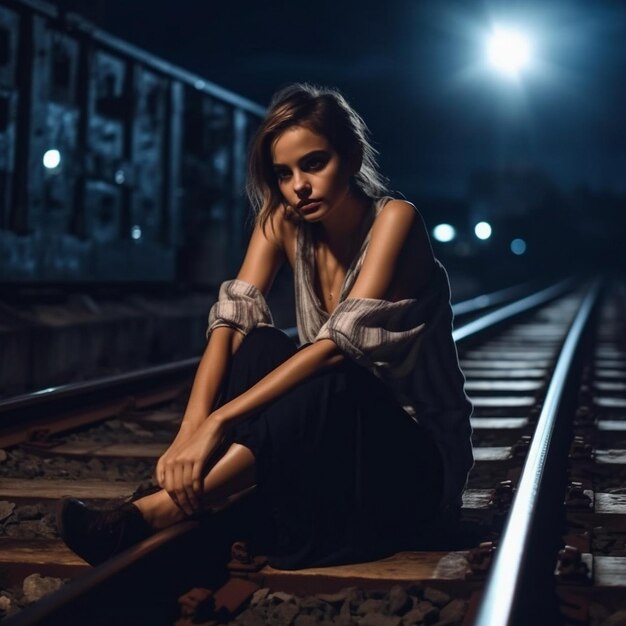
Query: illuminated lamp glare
{"type": "Point", "coordinates": [51, 159]}
{"type": "Point", "coordinates": [482, 230]}
{"type": "Point", "coordinates": [135, 232]}
{"type": "Point", "coordinates": [444, 232]}
{"type": "Point", "coordinates": [518, 246]}
{"type": "Point", "coordinates": [508, 51]}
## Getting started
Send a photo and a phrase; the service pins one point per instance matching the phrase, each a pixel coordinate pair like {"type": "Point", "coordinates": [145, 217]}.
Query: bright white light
{"type": "Point", "coordinates": [482, 230]}
{"type": "Point", "coordinates": [508, 51]}
{"type": "Point", "coordinates": [135, 232]}
{"type": "Point", "coordinates": [51, 159]}
{"type": "Point", "coordinates": [518, 246]}
{"type": "Point", "coordinates": [444, 232]}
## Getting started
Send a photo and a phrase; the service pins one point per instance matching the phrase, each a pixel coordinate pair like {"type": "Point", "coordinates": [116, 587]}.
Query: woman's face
{"type": "Point", "coordinates": [311, 176]}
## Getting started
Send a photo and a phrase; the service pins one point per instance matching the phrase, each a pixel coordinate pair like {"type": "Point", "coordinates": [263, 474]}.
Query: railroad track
{"type": "Point", "coordinates": [522, 380]}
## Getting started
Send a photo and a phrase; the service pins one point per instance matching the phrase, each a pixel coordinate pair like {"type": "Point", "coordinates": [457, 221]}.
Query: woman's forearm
{"type": "Point", "coordinates": [302, 365]}
{"type": "Point", "coordinates": [210, 374]}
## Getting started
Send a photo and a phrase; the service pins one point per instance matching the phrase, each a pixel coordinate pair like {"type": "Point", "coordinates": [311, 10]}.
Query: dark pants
{"type": "Point", "coordinates": [343, 472]}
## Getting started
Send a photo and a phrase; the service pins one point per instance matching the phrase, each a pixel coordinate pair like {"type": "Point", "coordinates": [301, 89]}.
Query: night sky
{"type": "Point", "coordinates": [416, 72]}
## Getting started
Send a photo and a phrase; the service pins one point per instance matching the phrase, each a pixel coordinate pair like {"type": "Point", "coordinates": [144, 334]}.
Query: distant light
{"type": "Point", "coordinates": [135, 232]}
{"type": "Point", "coordinates": [518, 246]}
{"type": "Point", "coordinates": [444, 232]}
{"type": "Point", "coordinates": [51, 159]}
{"type": "Point", "coordinates": [120, 177]}
{"type": "Point", "coordinates": [482, 230]}
{"type": "Point", "coordinates": [508, 51]}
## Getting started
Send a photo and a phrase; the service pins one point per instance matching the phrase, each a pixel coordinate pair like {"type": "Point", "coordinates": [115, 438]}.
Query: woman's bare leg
{"type": "Point", "coordinates": [234, 472]}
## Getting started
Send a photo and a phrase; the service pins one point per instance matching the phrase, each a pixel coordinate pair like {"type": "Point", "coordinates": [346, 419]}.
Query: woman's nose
{"type": "Point", "coordinates": [301, 184]}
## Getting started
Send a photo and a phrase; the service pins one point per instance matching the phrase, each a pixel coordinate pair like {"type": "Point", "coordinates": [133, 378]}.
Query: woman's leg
{"type": "Point", "coordinates": [262, 350]}
{"type": "Point", "coordinates": [233, 473]}
{"type": "Point", "coordinates": [97, 534]}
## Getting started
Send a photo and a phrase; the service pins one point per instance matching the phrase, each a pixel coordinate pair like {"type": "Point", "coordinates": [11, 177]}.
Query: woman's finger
{"type": "Point", "coordinates": [196, 482]}
{"type": "Point", "coordinates": [160, 472]}
{"type": "Point", "coordinates": [169, 483]}
{"type": "Point", "coordinates": [188, 487]}
{"type": "Point", "coordinates": [179, 489]}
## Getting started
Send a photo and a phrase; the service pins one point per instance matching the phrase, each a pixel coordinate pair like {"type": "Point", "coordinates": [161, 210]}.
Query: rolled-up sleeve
{"type": "Point", "coordinates": [241, 306]}
{"type": "Point", "coordinates": [377, 334]}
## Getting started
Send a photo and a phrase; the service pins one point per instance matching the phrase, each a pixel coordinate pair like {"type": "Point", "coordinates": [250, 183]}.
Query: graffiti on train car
{"type": "Point", "coordinates": [114, 164]}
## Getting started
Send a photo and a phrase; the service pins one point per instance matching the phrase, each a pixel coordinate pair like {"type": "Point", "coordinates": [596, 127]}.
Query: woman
{"type": "Point", "coordinates": [358, 440]}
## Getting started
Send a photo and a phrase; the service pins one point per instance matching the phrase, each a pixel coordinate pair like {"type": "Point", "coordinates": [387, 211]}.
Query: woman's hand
{"type": "Point", "coordinates": [185, 433]}
{"type": "Point", "coordinates": [183, 465]}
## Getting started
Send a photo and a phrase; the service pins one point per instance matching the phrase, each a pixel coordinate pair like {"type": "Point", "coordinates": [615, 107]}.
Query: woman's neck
{"type": "Point", "coordinates": [340, 228]}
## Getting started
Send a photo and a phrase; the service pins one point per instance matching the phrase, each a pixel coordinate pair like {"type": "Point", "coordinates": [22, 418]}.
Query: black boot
{"type": "Point", "coordinates": [95, 534]}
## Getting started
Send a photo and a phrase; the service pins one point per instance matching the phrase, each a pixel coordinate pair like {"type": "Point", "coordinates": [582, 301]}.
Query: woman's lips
{"type": "Point", "coordinates": [311, 206]}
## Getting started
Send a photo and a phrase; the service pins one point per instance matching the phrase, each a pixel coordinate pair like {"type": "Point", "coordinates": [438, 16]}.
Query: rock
{"type": "Point", "coordinates": [30, 529]}
{"type": "Point", "coordinates": [438, 598]}
{"type": "Point", "coordinates": [316, 606]}
{"type": "Point", "coordinates": [249, 618]}
{"type": "Point", "coordinates": [29, 512]}
{"type": "Point", "coordinates": [322, 611]}
{"type": "Point", "coordinates": [355, 595]}
{"type": "Point", "coordinates": [36, 587]}
{"type": "Point", "coordinates": [344, 620]}
{"type": "Point", "coordinates": [415, 589]}
{"type": "Point", "coordinates": [423, 613]}
{"type": "Point", "coordinates": [280, 596]}
{"type": "Point", "coordinates": [431, 613]}
{"type": "Point", "coordinates": [6, 509]}
{"type": "Point", "coordinates": [344, 611]}
{"type": "Point", "coordinates": [282, 614]}
{"type": "Point", "coordinates": [399, 600]}
{"type": "Point", "coordinates": [259, 596]}
{"type": "Point", "coordinates": [378, 619]}
{"type": "Point", "coordinates": [334, 598]}
{"type": "Point", "coordinates": [616, 619]}
{"type": "Point", "coordinates": [306, 620]}
{"type": "Point", "coordinates": [307, 603]}
{"type": "Point", "coordinates": [372, 605]}
{"type": "Point", "coordinates": [454, 611]}
{"type": "Point", "coordinates": [30, 469]}
{"type": "Point", "coordinates": [5, 604]}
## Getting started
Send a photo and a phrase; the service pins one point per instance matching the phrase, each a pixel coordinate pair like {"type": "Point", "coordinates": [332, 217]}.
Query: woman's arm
{"type": "Point", "coordinates": [389, 234]}
{"type": "Point", "coordinates": [302, 365]}
{"type": "Point", "coordinates": [262, 261]}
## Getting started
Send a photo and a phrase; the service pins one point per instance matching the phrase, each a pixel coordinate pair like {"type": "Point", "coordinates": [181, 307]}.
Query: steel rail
{"type": "Point", "coordinates": [489, 300]}
{"type": "Point", "coordinates": [512, 310]}
{"type": "Point", "coordinates": [105, 383]}
{"type": "Point", "coordinates": [60, 607]}
{"type": "Point", "coordinates": [500, 596]}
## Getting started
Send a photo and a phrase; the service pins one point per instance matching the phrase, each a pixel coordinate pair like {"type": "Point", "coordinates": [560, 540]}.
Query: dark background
{"type": "Point", "coordinates": [416, 72]}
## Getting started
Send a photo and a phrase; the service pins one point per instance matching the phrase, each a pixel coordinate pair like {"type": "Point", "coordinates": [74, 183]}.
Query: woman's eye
{"type": "Point", "coordinates": [282, 175]}
{"type": "Point", "coordinates": [316, 164]}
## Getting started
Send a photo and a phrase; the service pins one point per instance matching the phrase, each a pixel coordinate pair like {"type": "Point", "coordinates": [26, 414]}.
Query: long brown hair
{"type": "Point", "coordinates": [324, 111]}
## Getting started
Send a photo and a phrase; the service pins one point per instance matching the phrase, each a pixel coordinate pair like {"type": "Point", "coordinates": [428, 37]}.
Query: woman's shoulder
{"type": "Point", "coordinates": [397, 211]}
{"type": "Point", "coordinates": [396, 206]}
